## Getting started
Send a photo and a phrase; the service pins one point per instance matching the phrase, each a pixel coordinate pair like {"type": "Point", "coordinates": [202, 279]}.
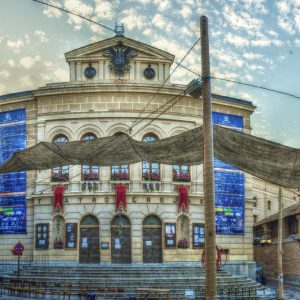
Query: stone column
{"type": "Point", "coordinates": [166, 178]}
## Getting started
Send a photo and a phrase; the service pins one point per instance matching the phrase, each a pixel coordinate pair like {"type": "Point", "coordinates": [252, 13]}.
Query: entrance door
{"type": "Point", "coordinates": [120, 240]}
{"type": "Point", "coordinates": [89, 248]}
{"type": "Point", "coordinates": [152, 240]}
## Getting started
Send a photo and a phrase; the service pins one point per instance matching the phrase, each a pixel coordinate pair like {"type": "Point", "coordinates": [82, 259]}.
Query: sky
{"type": "Point", "coordinates": [253, 41]}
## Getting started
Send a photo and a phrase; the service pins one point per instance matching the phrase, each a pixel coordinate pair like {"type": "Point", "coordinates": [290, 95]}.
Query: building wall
{"type": "Point", "coordinates": [267, 257]}
{"type": "Point", "coordinates": [264, 192]}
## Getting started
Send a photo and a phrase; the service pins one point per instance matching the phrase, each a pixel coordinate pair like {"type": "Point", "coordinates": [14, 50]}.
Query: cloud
{"type": "Point", "coordinates": [41, 35]}
{"type": "Point", "coordinates": [162, 23]}
{"type": "Point", "coordinates": [11, 63]}
{"type": "Point", "coordinates": [26, 82]}
{"type": "Point", "coordinates": [163, 5]}
{"type": "Point", "coordinates": [15, 44]}
{"type": "Point", "coordinates": [252, 56]}
{"type": "Point", "coordinates": [28, 62]}
{"type": "Point", "coordinates": [236, 40]}
{"type": "Point", "coordinates": [186, 11]}
{"type": "Point", "coordinates": [133, 19]}
{"type": "Point", "coordinates": [104, 9]}
{"type": "Point", "coordinates": [78, 7]}
{"type": "Point", "coordinates": [241, 20]}
{"type": "Point", "coordinates": [4, 74]}
{"type": "Point", "coordinates": [51, 12]}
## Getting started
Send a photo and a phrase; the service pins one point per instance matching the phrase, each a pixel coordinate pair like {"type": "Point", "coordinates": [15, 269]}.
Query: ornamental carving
{"type": "Point", "coordinates": [120, 56]}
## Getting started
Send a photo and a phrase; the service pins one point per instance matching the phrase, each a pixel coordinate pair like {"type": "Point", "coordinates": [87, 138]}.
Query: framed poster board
{"type": "Point", "coordinates": [170, 235]}
{"type": "Point", "coordinates": [198, 235]}
{"type": "Point", "coordinates": [71, 236]}
{"type": "Point", "coordinates": [42, 236]}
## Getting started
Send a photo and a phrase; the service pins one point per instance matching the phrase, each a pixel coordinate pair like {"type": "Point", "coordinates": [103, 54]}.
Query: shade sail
{"type": "Point", "coordinates": [262, 158]}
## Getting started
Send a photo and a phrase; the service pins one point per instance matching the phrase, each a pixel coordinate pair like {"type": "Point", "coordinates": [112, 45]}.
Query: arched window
{"type": "Point", "coordinates": [181, 173]}
{"type": "Point", "coordinates": [151, 170]}
{"type": "Point", "coordinates": [60, 173]}
{"type": "Point", "coordinates": [88, 172]}
{"type": "Point", "coordinates": [119, 172]}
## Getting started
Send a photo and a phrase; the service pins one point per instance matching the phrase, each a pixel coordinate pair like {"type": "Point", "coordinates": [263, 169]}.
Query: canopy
{"type": "Point", "coordinates": [264, 159]}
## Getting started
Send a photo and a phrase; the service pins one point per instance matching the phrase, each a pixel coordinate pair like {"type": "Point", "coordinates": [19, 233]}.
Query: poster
{"type": "Point", "coordinates": [42, 236]}
{"type": "Point", "coordinates": [170, 235]}
{"type": "Point", "coordinates": [71, 235]}
{"type": "Point", "coordinates": [12, 185]}
{"type": "Point", "coordinates": [198, 235]}
{"type": "Point", "coordinates": [229, 186]}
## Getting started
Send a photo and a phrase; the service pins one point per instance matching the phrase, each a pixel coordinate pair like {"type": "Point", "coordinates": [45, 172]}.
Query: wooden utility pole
{"type": "Point", "coordinates": [279, 247]}
{"type": "Point", "coordinates": [208, 168]}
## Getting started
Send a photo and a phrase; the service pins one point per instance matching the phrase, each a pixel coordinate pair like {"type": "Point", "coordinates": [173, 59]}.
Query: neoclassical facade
{"type": "Point", "coordinates": [115, 86]}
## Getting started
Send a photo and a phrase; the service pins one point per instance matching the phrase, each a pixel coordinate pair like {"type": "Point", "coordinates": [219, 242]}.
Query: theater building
{"type": "Point", "coordinates": [140, 213]}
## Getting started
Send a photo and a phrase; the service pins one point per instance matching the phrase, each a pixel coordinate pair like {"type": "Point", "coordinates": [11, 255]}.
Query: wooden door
{"type": "Point", "coordinates": [152, 240]}
{"type": "Point", "coordinates": [89, 248]}
{"type": "Point", "coordinates": [120, 240]}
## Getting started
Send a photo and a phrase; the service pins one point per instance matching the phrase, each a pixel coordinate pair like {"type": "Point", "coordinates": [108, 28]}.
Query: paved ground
{"type": "Point", "coordinates": [290, 293]}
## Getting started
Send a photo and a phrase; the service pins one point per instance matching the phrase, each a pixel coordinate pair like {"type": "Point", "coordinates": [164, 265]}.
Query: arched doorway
{"type": "Point", "coordinates": [89, 240]}
{"type": "Point", "coordinates": [120, 240]}
{"type": "Point", "coordinates": [152, 240]}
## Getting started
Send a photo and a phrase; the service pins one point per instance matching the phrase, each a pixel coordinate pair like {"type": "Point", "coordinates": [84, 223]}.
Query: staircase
{"type": "Point", "coordinates": [176, 278]}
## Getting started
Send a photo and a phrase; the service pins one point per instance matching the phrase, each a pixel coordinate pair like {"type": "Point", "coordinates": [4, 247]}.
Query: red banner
{"type": "Point", "coordinates": [121, 197]}
{"type": "Point", "coordinates": [58, 198]}
{"type": "Point", "coordinates": [183, 197]}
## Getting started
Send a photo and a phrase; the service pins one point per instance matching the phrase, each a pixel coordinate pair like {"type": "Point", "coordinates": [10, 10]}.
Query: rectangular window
{"type": "Point", "coordinates": [170, 235]}
{"type": "Point", "coordinates": [42, 236]}
{"type": "Point", "coordinates": [181, 173]}
{"type": "Point", "coordinates": [71, 235]}
{"type": "Point", "coordinates": [120, 172]}
{"type": "Point", "coordinates": [151, 171]}
{"type": "Point", "coordinates": [198, 235]}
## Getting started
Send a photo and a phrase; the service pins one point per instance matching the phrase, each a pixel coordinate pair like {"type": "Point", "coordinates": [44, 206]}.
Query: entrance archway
{"type": "Point", "coordinates": [120, 240]}
{"type": "Point", "coordinates": [89, 248]}
{"type": "Point", "coordinates": [152, 240]}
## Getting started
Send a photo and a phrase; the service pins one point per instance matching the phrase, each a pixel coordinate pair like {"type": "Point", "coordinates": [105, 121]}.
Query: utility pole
{"type": "Point", "coordinates": [208, 168]}
{"type": "Point", "coordinates": [279, 247]}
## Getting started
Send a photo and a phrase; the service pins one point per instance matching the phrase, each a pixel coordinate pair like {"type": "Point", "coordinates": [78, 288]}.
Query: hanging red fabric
{"type": "Point", "coordinates": [120, 197]}
{"type": "Point", "coordinates": [58, 198]}
{"type": "Point", "coordinates": [183, 197]}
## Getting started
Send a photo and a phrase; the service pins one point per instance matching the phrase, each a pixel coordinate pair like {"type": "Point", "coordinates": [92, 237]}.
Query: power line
{"type": "Point", "coordinates": [257, 86]}
{"type": "Point", "coordinates": [151, 99]}
{"type": "Point", "coordinates": [71, 13]}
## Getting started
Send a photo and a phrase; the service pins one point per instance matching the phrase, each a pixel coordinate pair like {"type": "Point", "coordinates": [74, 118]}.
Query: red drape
{"type": "Point", "coordinates": [120, 196]}
{"type": "Point", "coordinates": [183, 197]}
{"type": "Point", "coordinates": [58, 197]}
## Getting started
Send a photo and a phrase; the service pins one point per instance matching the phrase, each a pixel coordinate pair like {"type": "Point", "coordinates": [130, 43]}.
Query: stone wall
{"type": "Point", "coordinates": [267, 257]}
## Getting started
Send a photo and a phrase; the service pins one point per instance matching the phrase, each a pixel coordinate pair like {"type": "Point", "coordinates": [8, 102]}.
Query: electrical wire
{"type": "Point", "coordinates": [77, 15]}
{"type": "Point", "coordinates": [162, 85]}
{"type": "Point", "coordinates": [257, 86]}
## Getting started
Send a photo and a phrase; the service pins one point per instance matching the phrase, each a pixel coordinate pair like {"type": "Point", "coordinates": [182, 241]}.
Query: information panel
{"type": "Point", "coordinates": [71, 236]}
{"type": "Point", "coordinates": [12, 185]}
{"type": "Point", "coordinates": [229, 186]}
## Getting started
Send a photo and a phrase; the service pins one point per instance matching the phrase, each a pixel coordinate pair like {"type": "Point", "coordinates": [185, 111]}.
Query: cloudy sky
{"type": "Point", "coordinates": [254, 41]}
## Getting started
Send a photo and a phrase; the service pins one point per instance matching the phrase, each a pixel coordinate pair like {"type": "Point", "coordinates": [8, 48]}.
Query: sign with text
{"type": "Point", "coordinates": [12, 185]}
{"type": "Point", "coordinates": [229, 185]}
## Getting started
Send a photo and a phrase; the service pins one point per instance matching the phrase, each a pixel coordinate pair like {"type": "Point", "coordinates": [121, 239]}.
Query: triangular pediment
{"type": "Point", "coordinates": [95, 50]}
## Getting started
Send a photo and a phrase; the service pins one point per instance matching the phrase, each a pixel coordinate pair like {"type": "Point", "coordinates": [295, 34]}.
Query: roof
{"type": "Point", "coordinates": [235, 100]}
{"type": "Point", "coordinates": [15, 95]}
{"type": "Point", "coordinates": [288, 211]}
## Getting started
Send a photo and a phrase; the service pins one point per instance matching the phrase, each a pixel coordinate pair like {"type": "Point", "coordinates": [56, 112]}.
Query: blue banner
{"type": "Point", "coordinates": [229, 186]}
{"type": "Point", "coordinates": [12, 185]}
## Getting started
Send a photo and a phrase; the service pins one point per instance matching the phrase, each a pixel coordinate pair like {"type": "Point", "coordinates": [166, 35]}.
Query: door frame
{"type": "Point", "coordinates": [153, 226]}
{"type": "Point", "coordinates": [111, 237]}
{"type": "Point", "coordinates": [88, 226]}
